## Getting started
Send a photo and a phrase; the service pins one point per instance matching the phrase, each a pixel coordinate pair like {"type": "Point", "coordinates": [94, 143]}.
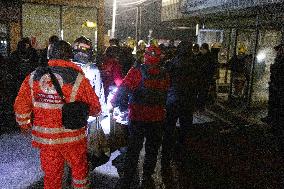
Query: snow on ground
{"type": "Point", "coordinates": [20, 164]}
{"type": "Point", "coordinates": [108, 169]}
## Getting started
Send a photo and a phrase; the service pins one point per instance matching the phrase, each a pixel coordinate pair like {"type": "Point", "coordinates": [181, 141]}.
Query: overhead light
{"type": "Point", "coordinates": [89, 24]}
{"type": "Point", "coordinates": [181, 28]}
{"type": "Point", "coordinates": [197, 29]}
{"type": "Point", "coordinates": [261, 56]}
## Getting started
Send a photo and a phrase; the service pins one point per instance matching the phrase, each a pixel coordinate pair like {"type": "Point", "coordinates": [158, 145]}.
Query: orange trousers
{"type": "Point", "coordinates": [52, 164]}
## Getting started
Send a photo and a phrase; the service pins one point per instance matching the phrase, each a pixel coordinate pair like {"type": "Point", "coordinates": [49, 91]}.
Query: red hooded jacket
{"type": "Point", "coordinates": [154, 79]}
{"type": "Point", "coordinates": [38, 102]}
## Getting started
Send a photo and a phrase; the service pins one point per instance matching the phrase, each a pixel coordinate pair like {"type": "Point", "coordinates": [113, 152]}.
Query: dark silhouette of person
{"type": "Point", "coordinates": [181, 99]}
{"type": "Point", "coordinates": [43, 57]}
{"type": "Point", "coordinates": [147, 86]}
{"type": "Point", "coordinates": [25, 58]}
{"type": "Point", "coordinates": [209, 66]}
{"type": "Point", "coordinates": [276, 98]}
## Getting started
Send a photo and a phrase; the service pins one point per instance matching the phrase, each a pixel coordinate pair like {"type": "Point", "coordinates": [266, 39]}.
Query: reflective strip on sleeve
{"type": "Point", "coordinates": [58, 140]}
{"type": "Point", "coordinates": [83, 181]}
{"type": "Point", "coordinates": [22, 116]}
{"type": "Point", "coordinates": [47, 105]}
{"type": "Point", "coordinates": [76, 87]}
{"type": "Point", "coordinates": [52, 130]}
{"type": "Point", "coordinates": [31, 81]}
{"type": "Point", "coordinates": [24, 122]}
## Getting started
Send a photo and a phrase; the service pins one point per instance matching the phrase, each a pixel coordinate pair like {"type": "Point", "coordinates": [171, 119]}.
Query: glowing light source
{"type": "Point", "coordinates": [105, 123]}
{"type": "Point", "coordinates": [197, 29]}
{"type": "Point", "coordinates": [89, 24]}
{"type": "Point", "coordinates": [114, 7]}
{"type": "Point", "coordinates": [62, 34]}
{"type": "Point", "coordinates": [261, 56]}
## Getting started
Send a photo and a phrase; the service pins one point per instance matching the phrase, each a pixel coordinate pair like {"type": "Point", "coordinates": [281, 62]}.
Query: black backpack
{"type": "Point", "coordinates": [74, 114]}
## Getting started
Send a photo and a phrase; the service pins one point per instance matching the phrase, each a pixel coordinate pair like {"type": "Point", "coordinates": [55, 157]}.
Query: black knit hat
{"type": "Point", "coordinates": [60, 50]}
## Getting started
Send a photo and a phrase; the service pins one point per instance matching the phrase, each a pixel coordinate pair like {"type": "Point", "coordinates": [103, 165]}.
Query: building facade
{"type": "Point", "coordinates": [255, 26]}
{"type": "Point", "coordinates": [40, 19]}
{"type": "Point", "coordinates": [66, 19]}
{"type": "Point", "coordinates": [10, 19]}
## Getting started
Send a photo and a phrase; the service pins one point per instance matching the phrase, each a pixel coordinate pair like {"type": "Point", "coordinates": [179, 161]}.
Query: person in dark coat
{"type": "Point", "coordinates": [26, 59]}
{"type": "Point", "coordinates": [208, 67]}
{"type": "Point", "coordinates": [171, 50]}
{"type": "Point", "coordinates": [146, 85]}
{"type": "Point", "coordinates": [114, 42]}
{"type": "Point", "coordinates": [8, 94]}
{"type": "Point", "coordinates": [196, 50]}
{"type": "Point", "coordinates": [115, 47]}
{"type": "Point", "coordinates": [276, 97]}
{"type": "Point", "coordinates": [43, 57]}
{"type": "Point", "coordinates": [126, 59]}
{"type": "Point", "coordinates": [181, 99]}
{"type": "Point", "coordinates": [240, 75]}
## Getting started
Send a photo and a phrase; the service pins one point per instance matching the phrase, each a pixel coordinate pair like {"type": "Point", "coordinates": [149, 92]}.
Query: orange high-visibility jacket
{"type": "Point", "coordinates": [38, 101]}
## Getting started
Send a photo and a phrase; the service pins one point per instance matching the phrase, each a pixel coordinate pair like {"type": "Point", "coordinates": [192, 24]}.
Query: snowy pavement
{"type": "Point", "coordinates": [19, 165]}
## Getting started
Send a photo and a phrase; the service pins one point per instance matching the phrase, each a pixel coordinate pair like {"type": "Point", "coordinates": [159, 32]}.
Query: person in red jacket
{"type": "Point", "coordinates": [147, 86]}
{"type": "Point", "coordinates": [38, 107]}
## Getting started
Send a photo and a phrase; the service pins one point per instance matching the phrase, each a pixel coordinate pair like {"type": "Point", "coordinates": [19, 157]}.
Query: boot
{"type": "Point", "coordinates": [147, 183]}
{"type": "Point", "coordinates": [167, 177]}
{"type": "Point", "coordinates": [123, 183]}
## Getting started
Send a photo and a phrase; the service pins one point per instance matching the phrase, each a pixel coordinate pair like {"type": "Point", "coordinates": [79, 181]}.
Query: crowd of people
{"type": "Point", "coordinates": [157, 84]}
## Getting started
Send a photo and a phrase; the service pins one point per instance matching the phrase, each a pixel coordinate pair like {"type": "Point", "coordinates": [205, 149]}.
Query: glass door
{"type": "Point", "coordinates": [265, 56]}
{"type": "Point", "coordinates": [40, 22]}
{"type": "Point", "coordinates": [241, 66]}
{"type": "Point", "coordinates": [4, 42]}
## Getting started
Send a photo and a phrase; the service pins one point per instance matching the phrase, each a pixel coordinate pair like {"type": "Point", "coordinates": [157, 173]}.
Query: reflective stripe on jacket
{"type": "Point", "coordinates": [38, 95]}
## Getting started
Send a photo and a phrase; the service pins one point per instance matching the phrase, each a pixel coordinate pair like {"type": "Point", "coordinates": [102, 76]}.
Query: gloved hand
{"type": "Point", "coordinates": [25, 131]}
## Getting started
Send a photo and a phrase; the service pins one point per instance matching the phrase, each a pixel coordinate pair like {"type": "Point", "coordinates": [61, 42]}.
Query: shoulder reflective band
{"type": "Point", "coordinates": [76, 87]}
{"type": "Point", "coordinates": [31, 81]}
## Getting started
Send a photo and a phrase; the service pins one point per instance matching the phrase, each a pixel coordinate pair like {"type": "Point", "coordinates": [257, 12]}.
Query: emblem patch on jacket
{"type": "Point", "coordinates": [46, 85]}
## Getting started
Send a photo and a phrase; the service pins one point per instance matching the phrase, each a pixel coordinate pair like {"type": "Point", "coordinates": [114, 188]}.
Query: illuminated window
{"type": "Point", "coordinates": [40, 22]}
{"type": "Point", "coordinates": [169, 2]}
{"type": "Point", "coordinates": [73, 23]}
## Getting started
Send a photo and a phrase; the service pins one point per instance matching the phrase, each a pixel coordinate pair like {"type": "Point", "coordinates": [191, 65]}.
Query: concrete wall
{"type": "Point", "coordinates": [15, 30]}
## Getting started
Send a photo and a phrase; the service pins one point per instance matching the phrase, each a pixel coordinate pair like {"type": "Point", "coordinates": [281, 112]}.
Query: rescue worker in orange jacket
{"type": "Point", "coordinates": [147, 85]}
{"type": "Point", "coordinates": [38, 107]}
